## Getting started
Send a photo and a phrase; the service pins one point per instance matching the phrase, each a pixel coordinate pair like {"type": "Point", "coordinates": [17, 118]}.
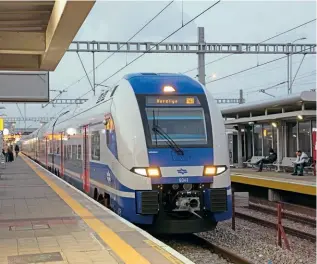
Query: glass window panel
{"type": "Point", "coordinates": [304, 136]}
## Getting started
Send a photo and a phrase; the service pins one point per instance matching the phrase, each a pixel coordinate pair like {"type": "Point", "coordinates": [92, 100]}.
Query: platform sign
{"type": "Point", "coordinates": [1, 124]}
{"type": "Point", "coordinates": [241, 199]}
{"type": "Point", "coordinates": [27, 87]}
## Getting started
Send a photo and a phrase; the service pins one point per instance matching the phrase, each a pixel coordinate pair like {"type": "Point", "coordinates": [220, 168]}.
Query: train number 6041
{"type": "Point", "coordinates": [182, 180]}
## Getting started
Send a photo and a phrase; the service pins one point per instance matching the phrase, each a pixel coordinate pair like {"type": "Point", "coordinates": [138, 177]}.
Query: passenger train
{"type": "Point", "coordinates": [153, 149]}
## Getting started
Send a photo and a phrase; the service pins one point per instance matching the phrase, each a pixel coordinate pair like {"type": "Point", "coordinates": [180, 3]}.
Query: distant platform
{"type": "Point", "coordinates": [275, 180]}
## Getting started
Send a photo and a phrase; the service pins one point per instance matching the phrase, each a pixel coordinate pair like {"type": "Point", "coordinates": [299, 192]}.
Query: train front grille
{"type": "Point", "coordinates": [147, 202]}
{"type": "Point", "coordinates": [218, 200]}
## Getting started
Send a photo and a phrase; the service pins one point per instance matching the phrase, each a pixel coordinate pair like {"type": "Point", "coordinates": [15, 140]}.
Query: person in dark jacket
{"type": "Point", "coordinates": [17, 149]}
{"type": "Point", "coordinates": [10, 154]}
{"type": "Point", "coordinates": [267, 160]}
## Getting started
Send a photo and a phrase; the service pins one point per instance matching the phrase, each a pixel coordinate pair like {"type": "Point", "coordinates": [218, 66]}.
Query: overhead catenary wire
{"type": "Point", "coordinates": [275, 36]}
{"type": "Point", "coordinates": [171, 34]}
{"type": "Point", "coordinates": [256, 88]}
{"type": "Point", "coordinates": [102, 62]}
{"type": "Point", "coordinates": [253, 67]}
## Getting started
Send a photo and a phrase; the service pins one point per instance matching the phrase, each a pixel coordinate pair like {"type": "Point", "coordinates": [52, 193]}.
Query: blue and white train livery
{"type": "Point", "coordinates": [153, 149]}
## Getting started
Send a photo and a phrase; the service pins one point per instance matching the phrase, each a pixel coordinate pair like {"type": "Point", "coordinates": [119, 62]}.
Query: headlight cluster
{"type": "Point", "coordinates": [150, 171]}
{"type": "Point", "coordinates": [214, 170]}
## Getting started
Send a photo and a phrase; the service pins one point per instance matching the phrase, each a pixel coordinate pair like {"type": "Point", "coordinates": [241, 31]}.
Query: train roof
{"type": "Point", "coordinates": [152, 83]}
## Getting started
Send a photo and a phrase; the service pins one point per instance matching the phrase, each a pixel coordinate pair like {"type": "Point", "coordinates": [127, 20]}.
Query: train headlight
{"type": "Point", "coordinates": [214, 170]}
{"type": "Point", "coordinates": [150, 172]}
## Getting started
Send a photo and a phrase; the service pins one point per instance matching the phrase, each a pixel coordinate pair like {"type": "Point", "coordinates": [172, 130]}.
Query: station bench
{"type": "Point", "coordinates": [288, 164]}
{"type": "Point", "coordinates": [251, 162]}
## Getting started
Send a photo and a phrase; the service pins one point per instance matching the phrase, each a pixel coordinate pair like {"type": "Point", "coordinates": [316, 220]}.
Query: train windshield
{"type": "Point", "coordinates": [185, 126]}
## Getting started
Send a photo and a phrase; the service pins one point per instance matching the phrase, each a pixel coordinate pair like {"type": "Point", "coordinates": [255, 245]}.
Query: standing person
{"type": "Point", "coordinates": [17, 149]}
{"type": "Point", "coordinates": [10, 154]}
{"type": "Point", "coordinates": [267, 160]}
{"type": "Point", "coordinates": [301, 162]}
{"type": "Point", "coordinates": [5, 152]}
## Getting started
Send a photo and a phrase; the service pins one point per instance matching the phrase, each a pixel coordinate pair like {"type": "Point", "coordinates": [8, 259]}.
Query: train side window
{"type": "Point", "coordinates": [79, 152]}
{"type": "Point", "coordinates": [95, 145]}
{"type": "Point", "coordinates": [74, 152]}
{"type": "Point", "coordinates": [65, 152]}
{"type": "Point", "coordinates": [111, 137]}
{"type": "Point", "coordinates": [69, 151]}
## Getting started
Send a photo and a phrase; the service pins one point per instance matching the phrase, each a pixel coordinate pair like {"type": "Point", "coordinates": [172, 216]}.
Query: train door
{"type": "Point", "coordinates": [46, 152]}
{"type": "Point", "coordinates": [86, 159]}
{"type": "Point", "coordinates": [62, 156]}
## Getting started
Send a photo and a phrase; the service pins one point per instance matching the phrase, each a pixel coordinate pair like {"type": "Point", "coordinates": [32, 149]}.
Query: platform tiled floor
{"type": "Point", "coordinates": [35, 221]}
{"type": "Point", "coordinates": [306, 179]}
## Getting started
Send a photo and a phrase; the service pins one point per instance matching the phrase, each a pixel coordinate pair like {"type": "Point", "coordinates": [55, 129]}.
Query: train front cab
{"type": "Point", "coordinates": [187, 178]}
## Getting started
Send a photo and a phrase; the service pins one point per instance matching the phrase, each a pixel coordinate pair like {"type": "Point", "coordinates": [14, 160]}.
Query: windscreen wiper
{"type": "Point", "coordinates": [170, 141]}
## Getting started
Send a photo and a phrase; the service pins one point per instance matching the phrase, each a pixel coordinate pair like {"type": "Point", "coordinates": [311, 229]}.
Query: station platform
{"type": "Point", "coordinates": [45, 220]}
{"type": "Point", "coordinates": [275, 180]}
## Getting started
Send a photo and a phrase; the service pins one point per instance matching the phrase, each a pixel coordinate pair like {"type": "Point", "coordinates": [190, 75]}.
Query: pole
{"type": "Point", "coordinates": [288, 75]}
{"type": "Point", "coordinates": [279, 223]}
{"type": "Point", "coordinates": [201, 57]}
{"type": "Point", "coordinates": [24, 117]}
{"type": "Point", "coordinates": [241, 97]}
{"type": "Point", "coordinates": [53, 157]}
{"type": "Point", "coordinates": [94, 72]}
{"type": "Point", "coordinates": [233, 224]}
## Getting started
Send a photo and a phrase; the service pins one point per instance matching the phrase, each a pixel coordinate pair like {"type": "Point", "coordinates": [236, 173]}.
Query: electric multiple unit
{"type": "Point", "coordinates": [153, 149]}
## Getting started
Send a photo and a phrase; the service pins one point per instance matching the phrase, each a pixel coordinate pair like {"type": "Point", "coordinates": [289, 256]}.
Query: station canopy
{"type": "Point", "coordinates": [34, 35]}
{"type": "Point", "coordinates": [287, 107]}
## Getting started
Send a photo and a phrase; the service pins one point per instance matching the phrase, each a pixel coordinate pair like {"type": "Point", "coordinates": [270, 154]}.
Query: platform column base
{"type": "Point", "coordinates": [273, 195]}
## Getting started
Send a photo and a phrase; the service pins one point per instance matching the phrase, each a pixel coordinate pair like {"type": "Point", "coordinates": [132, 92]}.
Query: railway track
{"type": "Point", "coordinates": [304, 210]}
{"type": "Point", "coordinates": [201, 242]}
{"type": "Point", "coordinates": [288, 230]}
{"type": "Point", "coordinates": [222, 251]}
{"type": "Point", "coordinates": [286, 215]}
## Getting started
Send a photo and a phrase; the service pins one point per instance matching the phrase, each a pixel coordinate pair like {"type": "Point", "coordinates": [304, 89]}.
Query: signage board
{"type": "Point", "coordinates": [1, 124]}
{"type": "Point", "coordinates": [162, 100]}
{"type": "Point", "coordinates": [28, 87]}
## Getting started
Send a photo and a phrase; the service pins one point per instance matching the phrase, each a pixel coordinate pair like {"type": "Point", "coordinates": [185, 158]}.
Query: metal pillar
{"type": "Point", "coordinates": [241, 100]}
{"type": "Point", "coordinates": [201, 56]}
{"type": "Point", "coordinates": [94, 73]}
{"type": "Point", "coordinates": [279, 146]}
{"type": "Point", "coordinates": [240, 160]}
{"type": "Point", "coordinates": [253, 148]}
{"type": "Point", "coordinates": [288, 82]}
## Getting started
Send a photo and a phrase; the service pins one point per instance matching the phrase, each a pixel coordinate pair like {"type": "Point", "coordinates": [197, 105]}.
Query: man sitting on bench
{"type": "Point", "coordinates": [301, 161]}
{"type": "Point", "coordinates": [268, 160]}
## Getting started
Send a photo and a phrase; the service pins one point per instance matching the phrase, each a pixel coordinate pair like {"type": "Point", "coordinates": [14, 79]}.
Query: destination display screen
{"type": "Point", "coordinates": [172, 101]}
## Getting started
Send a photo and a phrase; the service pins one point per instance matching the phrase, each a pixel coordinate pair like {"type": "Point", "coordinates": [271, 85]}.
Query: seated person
{"type": "Point", "coordinates": [267, 160]}
{"type": "Point", "coordinates": [301, 161]}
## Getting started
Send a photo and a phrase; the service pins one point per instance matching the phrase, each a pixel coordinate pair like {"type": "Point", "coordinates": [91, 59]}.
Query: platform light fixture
{"type": "Point", "coordinates": [274, 124]}
{"type": "Point", "coordinates": [300, 117]}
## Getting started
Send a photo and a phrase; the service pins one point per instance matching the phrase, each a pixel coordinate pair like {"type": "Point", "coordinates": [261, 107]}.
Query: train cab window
{"type": "Point", "coordinates": [95, 145]}
{"type": "Point", "coordinates": [186, 126]}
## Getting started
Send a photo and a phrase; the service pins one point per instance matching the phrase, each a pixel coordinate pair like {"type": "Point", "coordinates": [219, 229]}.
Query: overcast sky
{"type": "Point", "coordinates": [229, 21]}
